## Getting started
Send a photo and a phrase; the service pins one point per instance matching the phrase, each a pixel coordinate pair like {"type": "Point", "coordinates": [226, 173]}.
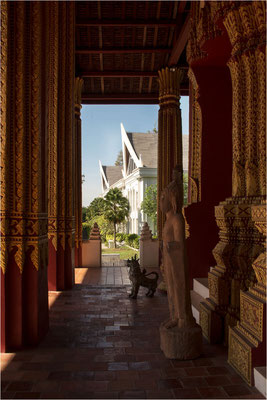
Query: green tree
{"type": "Point", "coordinates": [95, 208]}
{"type": "Point", "coordinates": [116, 208]}
{"type": "Point", "coordinates": [105, 226]}
{"type": "Point", "coordinates": [149, 204]}
{"type": "Point", "coordinates": [119, 160]}
{"type": "Point", "coordinates": [84, 212]}
{"type": "Point", "coordinates": [155, 129]}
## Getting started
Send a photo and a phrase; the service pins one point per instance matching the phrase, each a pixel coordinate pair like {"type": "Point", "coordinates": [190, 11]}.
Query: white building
{"type": "Point", "coordinates": [139, 170]}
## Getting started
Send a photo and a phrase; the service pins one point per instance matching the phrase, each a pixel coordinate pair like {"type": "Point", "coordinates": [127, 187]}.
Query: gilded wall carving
{"type": "Point", "coordinates": [239, 355]}
{"type": "Point", "coordinates": [53, 124]}
{"type": "Point", "coordinates": [23, 216]}
{"type": "Point", "coordinates": [239, 254]}
{"type": "Point", "coordinates": [244, 25]}
{"type": "Point", "coordinates": [251, 315]}
{"type": "Point", "coordinates": [195, 159]}
{"type": "Point", "coordinates": [61, 125]}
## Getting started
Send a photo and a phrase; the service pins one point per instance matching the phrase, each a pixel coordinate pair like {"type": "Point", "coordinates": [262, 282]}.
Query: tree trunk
{"type": "Point", "coordinates": [115, 235]}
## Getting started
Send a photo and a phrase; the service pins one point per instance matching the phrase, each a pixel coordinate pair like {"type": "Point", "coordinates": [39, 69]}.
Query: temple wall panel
{"type": "Point", "coordinates": [239, 253]}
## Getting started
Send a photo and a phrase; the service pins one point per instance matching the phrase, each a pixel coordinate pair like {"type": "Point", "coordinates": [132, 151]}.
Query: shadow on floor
{"type": "Point", "coordinates": [101, 344]}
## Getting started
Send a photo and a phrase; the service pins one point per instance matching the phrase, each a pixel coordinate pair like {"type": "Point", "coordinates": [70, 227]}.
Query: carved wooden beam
{"type": "Point", "coordinates": [118, 74]}
{"type": "Point", "coordinates": [123, 51]}
{"type": "Point", "coordinates": [127, 23]}
{"type": "Point", "coordinates": [180, 43]}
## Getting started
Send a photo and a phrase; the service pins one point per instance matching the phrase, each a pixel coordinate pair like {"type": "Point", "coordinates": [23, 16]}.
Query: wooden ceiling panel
{"type": "Point", "coordinates": [120, 46]}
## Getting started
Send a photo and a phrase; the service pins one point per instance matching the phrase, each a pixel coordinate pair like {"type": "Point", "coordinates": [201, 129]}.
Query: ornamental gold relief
{"type": "Point", "coordinates": [259, 10]}
{"type": "Point", "coordinates": [259, 267]}
{"type": "Point", "coordinates": [204, 321]}
{"type": "Point", "coordinates": [3, 105]}
{"type": "Point", "coordinates": [251, 314]}
{"type": "Point", "coordinates": [239, 355]}
{"type": "Point", "coordinates": [195, 161]}
{"type": "Point", "coordinates": [3, 254]}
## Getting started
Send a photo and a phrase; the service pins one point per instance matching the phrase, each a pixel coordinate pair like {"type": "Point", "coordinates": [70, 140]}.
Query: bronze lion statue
{"type": "Point", "coordinates": [140, 278]}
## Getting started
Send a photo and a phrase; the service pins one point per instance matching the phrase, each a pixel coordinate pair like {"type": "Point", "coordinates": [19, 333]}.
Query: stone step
{"type": "Point", "coordinates": [201, 286]}
{"type": "Point", "coordinates": [195, 301]}
{"type": "Point", "coordinates": [260, 380]}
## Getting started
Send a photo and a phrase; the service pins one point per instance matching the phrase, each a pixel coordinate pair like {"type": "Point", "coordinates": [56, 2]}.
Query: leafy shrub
{"type": "Point", "coordinates": [86, 230]}
{"type": "Point", "coordinates": [130, 238]}
{"type": "Point", "coordinates": [109, 237]}
{"type": "Point", "coordinates": [120, 237]}
{"type": "Point", "coordinates": [105, 226]}
{"type": "Point", "coordinates": [136, 243]}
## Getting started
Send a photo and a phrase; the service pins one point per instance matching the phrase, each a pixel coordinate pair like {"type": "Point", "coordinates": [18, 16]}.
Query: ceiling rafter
{"type": "Point", "coordinates": [127, 23]}
{"type": "Point", "coordinates": [100, 45]}
{"type": "Point", "coordinates": [129, 50]}
{"type": "Point", "coordinates": [173, 30]}
{"type": "Point", "coordinates": [180, 43]}
{"type": "Point", "coordinates": [122, 41]}
{"type": "Point", "coordinates": [120, 49]}
{"type": "Point", "coordinates": [144, 44]}
{"type": "Point", "coordinates": [134, 98]}
{"type": "Point", "coordinates": [133, 43]}
{"type": "Point", "coordinates": [116, 74]}
{"type": "Point", "coordinates": [155, 38]}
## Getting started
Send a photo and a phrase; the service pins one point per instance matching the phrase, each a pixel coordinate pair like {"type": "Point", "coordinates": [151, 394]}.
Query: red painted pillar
{"type": "Point", "coordinates": [210, 162]}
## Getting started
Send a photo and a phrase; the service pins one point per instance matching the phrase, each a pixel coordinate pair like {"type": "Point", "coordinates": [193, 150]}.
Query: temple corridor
{"type": "Point", "coordinates": [103, 345]}
{"type": "Point", "coordinates": [93, 341]}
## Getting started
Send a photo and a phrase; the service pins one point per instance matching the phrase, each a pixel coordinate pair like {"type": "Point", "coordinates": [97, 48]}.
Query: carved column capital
{"type": "Point", "coordinates": [170, 130]}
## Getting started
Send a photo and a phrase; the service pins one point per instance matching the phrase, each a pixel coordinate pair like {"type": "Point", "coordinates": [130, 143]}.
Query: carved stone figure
{"type": "Point", "coordinates": [181, 336]}
{"type": "Point", "coordinates": [139, 278]}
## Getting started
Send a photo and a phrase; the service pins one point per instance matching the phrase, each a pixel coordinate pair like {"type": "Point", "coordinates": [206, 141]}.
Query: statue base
{"type": "Point", "coordinates": [181, 343]}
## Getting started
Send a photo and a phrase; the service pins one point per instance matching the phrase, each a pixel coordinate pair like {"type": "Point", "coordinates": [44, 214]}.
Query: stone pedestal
{"type": "Point", "coordinates": [149, 249]}
{"type": "Point", "coordinates": [181, 343]}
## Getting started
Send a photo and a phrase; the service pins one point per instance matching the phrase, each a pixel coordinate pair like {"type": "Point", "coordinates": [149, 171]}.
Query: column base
{"type": "Point", "coordinates": [247, 340]}
{"type": "Point", "coordinates": [211, 322]}
{"type": "Point", "coordinates": [181, 343]}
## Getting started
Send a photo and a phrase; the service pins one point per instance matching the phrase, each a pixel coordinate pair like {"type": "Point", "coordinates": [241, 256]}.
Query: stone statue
{"type": "Point", "coordinates": [181, 336]}
{"type": "Point", "coordinates": [140, 278]}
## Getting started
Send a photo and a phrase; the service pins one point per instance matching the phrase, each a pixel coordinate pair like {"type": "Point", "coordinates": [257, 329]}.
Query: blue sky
{"type": "Point", "coordinates": [101, 136]}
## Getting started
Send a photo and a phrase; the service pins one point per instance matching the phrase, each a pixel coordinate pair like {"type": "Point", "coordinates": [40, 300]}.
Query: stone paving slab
{"type": "Point", "coordinates": [101, 344]}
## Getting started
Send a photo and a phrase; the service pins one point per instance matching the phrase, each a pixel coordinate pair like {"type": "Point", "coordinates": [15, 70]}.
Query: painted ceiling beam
{"type": "Point", "coordinates": [124, 51]}
{"type": "Point", "coordinates": [127, 23]}
{"type": "Point", "coordinates": [180, 43]}
{"type": "Point", "coordinates": [131, 98]}
{"type": "Point", "coordinates": [120, 96]}
{"type": "Point", "coordinates": [118, 74]}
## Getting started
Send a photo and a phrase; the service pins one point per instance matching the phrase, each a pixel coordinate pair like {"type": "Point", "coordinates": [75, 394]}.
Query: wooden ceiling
{"type": "Point", "coordinates": [121, 45]}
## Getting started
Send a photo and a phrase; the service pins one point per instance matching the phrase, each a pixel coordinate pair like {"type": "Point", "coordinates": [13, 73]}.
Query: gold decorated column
{"type": "Point", "coordinates": [78, 173]}
{"type": "Point", "coordinates": [23, 182]}
{"type": "Point", "coordinates": [169, 132]}
{"type": "Point", "coordinates": [61, 146]}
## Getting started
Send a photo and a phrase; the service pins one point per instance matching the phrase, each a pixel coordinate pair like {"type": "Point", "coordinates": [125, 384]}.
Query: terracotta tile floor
{"type": "Point", "coordinates": [103, 345]}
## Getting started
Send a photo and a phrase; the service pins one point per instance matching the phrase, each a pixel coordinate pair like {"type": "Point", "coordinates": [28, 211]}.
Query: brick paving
{"type": "Point", "coordinates": [101, 344]}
